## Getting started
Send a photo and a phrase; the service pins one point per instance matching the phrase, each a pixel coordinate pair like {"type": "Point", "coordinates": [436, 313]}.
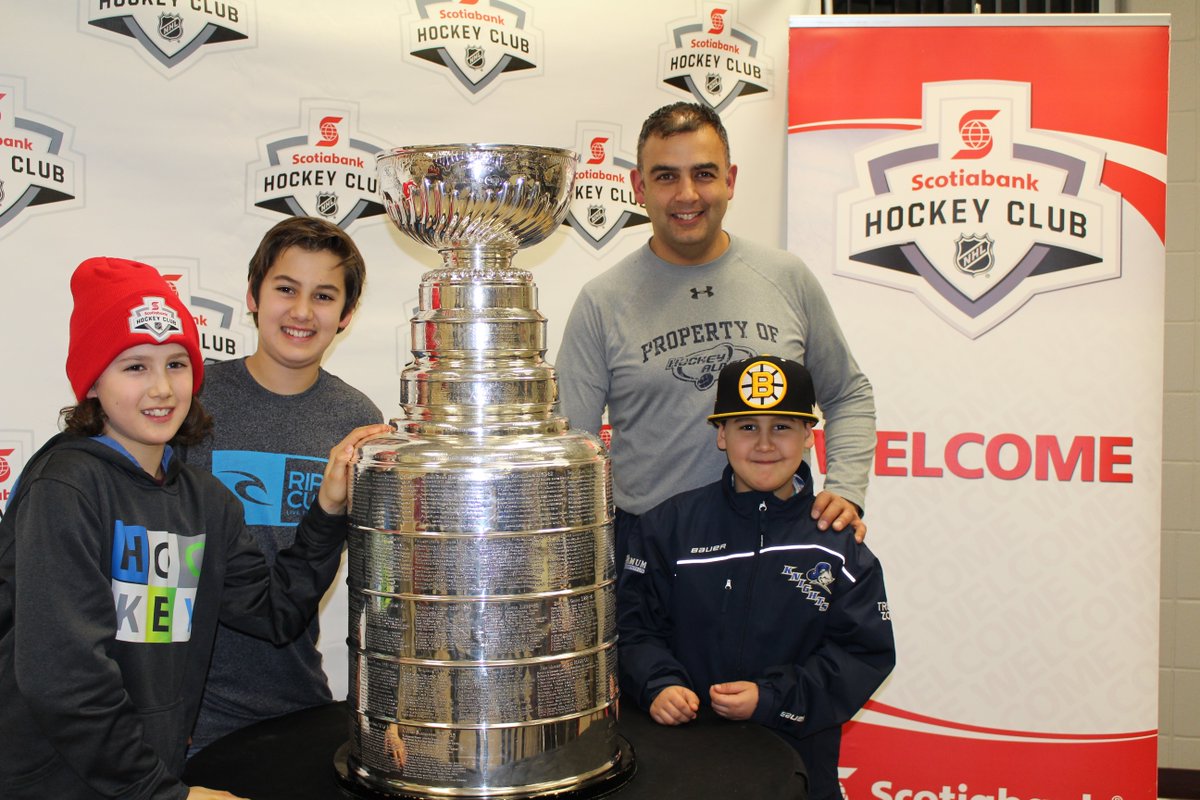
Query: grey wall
{"type": "Point", "coordinates": [1179, 675]}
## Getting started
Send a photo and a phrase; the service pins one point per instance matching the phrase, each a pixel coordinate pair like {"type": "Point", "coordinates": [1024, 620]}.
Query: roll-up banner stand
{"type": "Point", "coordinates": [983, 199]}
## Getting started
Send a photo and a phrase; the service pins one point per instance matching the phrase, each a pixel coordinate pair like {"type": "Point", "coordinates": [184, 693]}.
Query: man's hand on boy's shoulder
{"type": "Point", "coordinates": [735, 700]}
{"type": "Point", "coordinates": [335, 484]}
{"type": "Point", "coordinates": [834, 511]}
{"type": "Point", "coordinates": [674, 705]}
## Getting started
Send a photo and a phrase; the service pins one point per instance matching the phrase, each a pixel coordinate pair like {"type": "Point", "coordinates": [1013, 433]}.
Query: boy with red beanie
{"type": "Point", "coordinates": [116, 560]}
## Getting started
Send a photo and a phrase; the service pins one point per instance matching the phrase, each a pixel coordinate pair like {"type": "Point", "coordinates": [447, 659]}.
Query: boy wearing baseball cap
{"type": "Point", "coordinates": [116, 560]}
{"type": "Point", "coordinates": [731, 598]}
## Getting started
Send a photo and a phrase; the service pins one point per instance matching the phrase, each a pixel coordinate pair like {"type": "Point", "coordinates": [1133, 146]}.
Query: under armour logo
{"type": "Point", "coordinates": [707, 290]}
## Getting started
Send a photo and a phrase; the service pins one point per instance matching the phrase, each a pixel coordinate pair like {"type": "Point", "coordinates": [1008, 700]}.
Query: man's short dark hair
{"type": "Point", "coordinates": [681, 118]}
{"type": "Point", "coordinates": [313, 235]}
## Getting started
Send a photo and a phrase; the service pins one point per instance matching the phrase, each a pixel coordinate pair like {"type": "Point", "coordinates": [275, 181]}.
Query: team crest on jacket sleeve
{"type": "Point", "coordinates": [976, 212]}
{"type": "Point", "coordinates": [816, 582]}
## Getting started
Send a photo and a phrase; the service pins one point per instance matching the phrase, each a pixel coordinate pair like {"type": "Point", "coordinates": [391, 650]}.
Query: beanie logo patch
{"type": "Point", "coordinates": [156, 319]}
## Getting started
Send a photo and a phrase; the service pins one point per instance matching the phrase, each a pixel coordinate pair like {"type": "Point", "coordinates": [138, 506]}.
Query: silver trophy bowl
{"type": "Point", "coordinates": [483, 200]}
{"type": "Point", "coordinates": [482, 585]}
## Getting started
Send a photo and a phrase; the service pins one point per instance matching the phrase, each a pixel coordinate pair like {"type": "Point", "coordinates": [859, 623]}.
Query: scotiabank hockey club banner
{"type": "Point", "coordinates": [983, 199]}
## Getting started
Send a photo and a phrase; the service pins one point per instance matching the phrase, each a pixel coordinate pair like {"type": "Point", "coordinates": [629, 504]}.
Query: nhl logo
{"type": "Point", "coordinates": [170, 40]}
{"type": "Point", "coordinates": [475, 57]}
{"type": "Point", "coordinates": [973, 254]}
{"type": "Point", "coordinates": [712, 83]}
{"type": "Point", "coordinates": [327, 204]}
{"type": "Point", "coordinates": [170, 27]}
{"type": "Point", "coordinates": [596, 216]}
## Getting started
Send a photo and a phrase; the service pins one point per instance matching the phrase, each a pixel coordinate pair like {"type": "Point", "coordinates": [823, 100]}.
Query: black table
{"type": "Point", "coordinates": [291, 758]}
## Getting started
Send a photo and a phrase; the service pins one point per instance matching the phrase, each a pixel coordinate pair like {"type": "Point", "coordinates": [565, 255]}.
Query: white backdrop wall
{"type": "Point", "coordinates": [178, 131]}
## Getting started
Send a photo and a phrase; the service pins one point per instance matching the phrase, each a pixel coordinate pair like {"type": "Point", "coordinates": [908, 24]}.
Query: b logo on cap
{"type": "Point", "coordinates": [762, 385]}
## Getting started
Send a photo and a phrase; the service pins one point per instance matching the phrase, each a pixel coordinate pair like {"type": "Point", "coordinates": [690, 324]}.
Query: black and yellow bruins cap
{"type": "Point", "coordinates": [764, 385]}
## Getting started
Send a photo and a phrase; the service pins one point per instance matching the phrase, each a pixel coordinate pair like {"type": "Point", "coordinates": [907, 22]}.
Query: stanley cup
{"type": "Point", "coordinates": [482, 625]}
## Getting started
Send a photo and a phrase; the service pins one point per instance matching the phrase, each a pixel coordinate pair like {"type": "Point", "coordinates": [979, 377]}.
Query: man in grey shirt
{"type": "Point", "coordinates": [648, 337]}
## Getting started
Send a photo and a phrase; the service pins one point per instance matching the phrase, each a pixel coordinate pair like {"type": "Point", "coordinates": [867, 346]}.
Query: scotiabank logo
{"type": "Point", "coordinates": [15, 447]}
{"type": "Point", "coordinates": [885, 790]}
{"type": "Point", "coordinates": [976, 213]}
{"type": "Point", "coordinates": [715, 59]}
{"type": "Point", "coordinates": [38, 171]}
{"type": "Point", "coordinates": [325, 168]}
{"type": "Point", "coordinates": [474, 42]}
{"type": "Point", "coordinates": [603, 204]}
{"type": "Point", "coordinates": [976, 136]}
{"type": "Point", "coordinates": [597, 150]}
{"type": "Point", "coordinates": [221, 320]}
{"type": "Point", "coordinates": [718, 20]}
{"type": "Point", "coordinates": [329, 132]}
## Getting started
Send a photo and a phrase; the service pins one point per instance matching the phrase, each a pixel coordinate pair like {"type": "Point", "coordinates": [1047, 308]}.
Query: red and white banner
{"type": "Point", "coordinates": [983, 198]}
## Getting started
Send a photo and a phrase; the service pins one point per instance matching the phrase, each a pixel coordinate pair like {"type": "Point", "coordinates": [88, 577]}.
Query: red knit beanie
{"type": "Point", "coordinates": [120, 304]}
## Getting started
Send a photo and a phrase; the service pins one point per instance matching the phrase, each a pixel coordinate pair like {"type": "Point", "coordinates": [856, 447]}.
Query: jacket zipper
{"type": "Point", "coordinates": [762, 532]}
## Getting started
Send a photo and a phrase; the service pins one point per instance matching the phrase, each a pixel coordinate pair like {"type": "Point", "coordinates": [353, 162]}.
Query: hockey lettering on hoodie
{"type": "Point", "coordinates": [154, 580]}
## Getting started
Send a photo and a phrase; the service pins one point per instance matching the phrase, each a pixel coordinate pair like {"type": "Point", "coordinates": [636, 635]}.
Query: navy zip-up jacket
{"type": "Point", "coordinates": [724, 586]}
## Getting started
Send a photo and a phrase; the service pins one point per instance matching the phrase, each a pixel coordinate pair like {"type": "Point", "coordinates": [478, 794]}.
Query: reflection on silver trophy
{"type": "Point", "coordinates": [482, 585]}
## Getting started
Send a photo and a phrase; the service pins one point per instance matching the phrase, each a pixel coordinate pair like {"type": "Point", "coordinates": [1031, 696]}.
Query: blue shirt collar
{"type": "Point", "coordinates": [168, 453]}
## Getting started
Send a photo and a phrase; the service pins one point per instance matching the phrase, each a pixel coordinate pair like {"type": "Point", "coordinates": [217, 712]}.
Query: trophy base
{"type": "Point", "coordinates": [607, 782]}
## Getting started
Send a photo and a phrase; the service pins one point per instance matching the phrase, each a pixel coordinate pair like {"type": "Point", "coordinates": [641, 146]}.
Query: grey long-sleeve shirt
{"type": "Point", "coordinates": [648, 338]}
